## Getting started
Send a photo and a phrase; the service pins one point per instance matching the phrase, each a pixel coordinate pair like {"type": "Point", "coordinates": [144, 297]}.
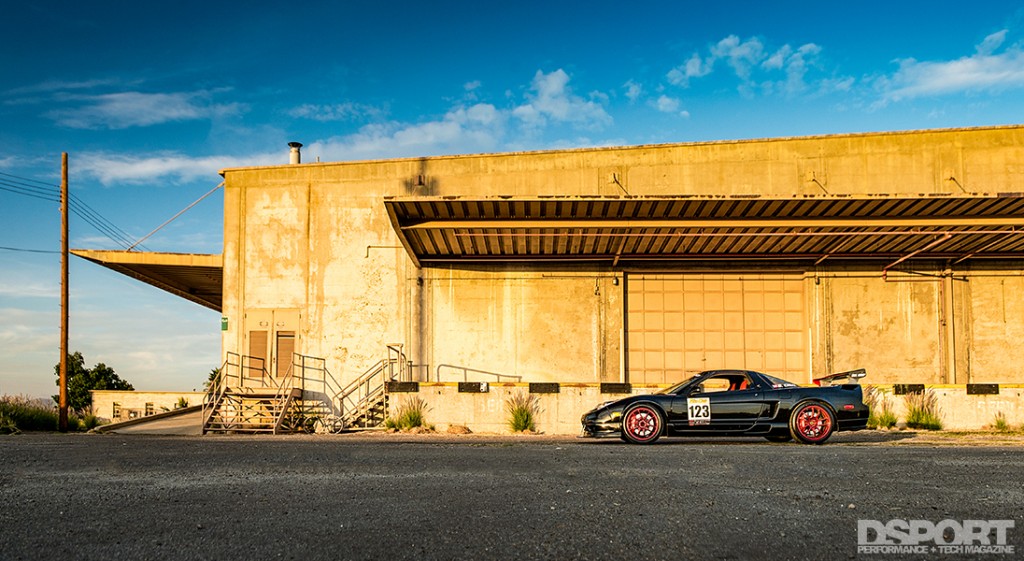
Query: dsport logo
{"type": "Point", "coordinates": [969, 537]}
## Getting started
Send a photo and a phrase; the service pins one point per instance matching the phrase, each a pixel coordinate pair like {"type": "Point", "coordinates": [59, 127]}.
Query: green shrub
{"type": "Point", "coordinates": [409, 415]}
{"type": "Point", "coordinates": [881, 414]}
{"type": "Point", "coordinates": [89, 422]}
{"type": "Point", "coordinates": [26, 414]}
{"type": "Point", "coordinates": [522, 410]}
{"type": "Point", "coordinates": [923, 411]}
{"type": "Point", "coordinates": [7, 425]}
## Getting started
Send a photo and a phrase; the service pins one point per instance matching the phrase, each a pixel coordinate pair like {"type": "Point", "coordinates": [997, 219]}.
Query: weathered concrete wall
{"type": "Point", "coordinates": [562, 327]}
{"type": "Point", "coordinates": [890, 328]}
{"type": "Point", "coordinates": [960, 328]}
{"type": "Point", "coordinates": [316, 238]}
{"type": "Point", "coordinates": [994, 326]}
{"type": "Point", "coordinates": [487, 412]}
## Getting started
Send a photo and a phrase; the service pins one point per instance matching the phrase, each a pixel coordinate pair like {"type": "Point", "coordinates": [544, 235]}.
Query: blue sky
{"type": "Point", "coordinates": [151, 99]}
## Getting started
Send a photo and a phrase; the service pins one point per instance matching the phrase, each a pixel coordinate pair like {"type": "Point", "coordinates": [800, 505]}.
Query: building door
{"type": "Point", "coordinates": [678, 324]}
{"type": "Point", "coordinates": [271, 341]}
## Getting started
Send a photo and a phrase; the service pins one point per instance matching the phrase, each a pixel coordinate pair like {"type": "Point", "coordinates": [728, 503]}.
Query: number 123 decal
{"type": "Point", "coordinates": [698, 410]}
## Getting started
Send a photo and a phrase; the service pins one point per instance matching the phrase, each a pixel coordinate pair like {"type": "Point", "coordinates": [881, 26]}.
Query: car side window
{"type": "Point", "coordinates": [740, 383]}
{"type": "Point", "coordinates": [731, 382]}
{"type": "Point", "coordinates": [715, 384]}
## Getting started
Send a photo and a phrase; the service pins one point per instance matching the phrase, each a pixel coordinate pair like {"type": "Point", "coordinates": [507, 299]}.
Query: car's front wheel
{"type": "Point", "coordinates": [642, 424]}
{"type": "Point", "coordinates": [812, 422]}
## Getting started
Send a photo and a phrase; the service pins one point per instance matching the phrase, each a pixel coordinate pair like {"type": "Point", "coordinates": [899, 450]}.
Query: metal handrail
{"type": "Point", "coordinates": [466, 370]}
{"type": "Point", "coordinates": [329, 385]}
{"type": "Point", "coordinates": [234, 374]}
{"type": "Point", "coordinates": [308, 374]}
{"type": "Point", "coordinates": [217, 388]}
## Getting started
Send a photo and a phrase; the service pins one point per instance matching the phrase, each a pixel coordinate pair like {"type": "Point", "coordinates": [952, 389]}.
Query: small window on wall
{"type": "Point", "coordinates": [116, 413]}
{"type": "Point", "coordinates": [149, 408]}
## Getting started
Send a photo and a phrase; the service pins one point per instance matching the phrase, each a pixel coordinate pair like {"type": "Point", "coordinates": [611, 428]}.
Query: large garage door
{"type": "Point", "coordinates": [681, 324]}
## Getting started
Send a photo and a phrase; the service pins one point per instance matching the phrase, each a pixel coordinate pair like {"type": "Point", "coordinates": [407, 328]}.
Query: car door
{"type": "Point", "coordinates": [721, 403]}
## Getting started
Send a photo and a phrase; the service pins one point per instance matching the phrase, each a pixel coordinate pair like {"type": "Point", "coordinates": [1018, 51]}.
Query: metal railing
{"type": "Point", "coordinates": [466, 371]}
{"type": "Point", "coordinates": [321, 396]}
{"type": "Point", "coordinates": [236, 377]}
{"type": "Point", "coordinates": [215, 391]}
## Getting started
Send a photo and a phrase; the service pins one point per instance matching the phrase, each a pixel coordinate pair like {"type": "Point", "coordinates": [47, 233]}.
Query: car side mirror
{"type": "Point", "coordinates": [696, 390]}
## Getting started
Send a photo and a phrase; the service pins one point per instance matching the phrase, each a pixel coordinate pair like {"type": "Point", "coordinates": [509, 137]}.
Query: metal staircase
{"type": "Point", "coordinates": [244, 398]}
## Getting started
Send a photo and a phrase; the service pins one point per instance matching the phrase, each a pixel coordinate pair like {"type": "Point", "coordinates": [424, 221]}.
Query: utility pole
{"type": "Point", "coordinates": [62, 423]}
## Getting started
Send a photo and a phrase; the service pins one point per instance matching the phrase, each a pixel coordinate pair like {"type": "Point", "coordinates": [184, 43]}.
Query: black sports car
{"type": "Point", "coordinates": [735, 403]}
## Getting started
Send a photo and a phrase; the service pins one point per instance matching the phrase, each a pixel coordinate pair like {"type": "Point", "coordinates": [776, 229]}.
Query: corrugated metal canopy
{"type": "Point", "coordinates": [623, 229]}
{"type": "Point", "coordinates": [195, 277]}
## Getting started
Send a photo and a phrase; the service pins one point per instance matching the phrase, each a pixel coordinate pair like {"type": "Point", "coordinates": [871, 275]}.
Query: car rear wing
{"type": "Point", "coordinates": [850, 377]}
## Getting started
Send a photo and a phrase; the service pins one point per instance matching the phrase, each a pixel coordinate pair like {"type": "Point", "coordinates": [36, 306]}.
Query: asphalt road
{"type": "Point", "coordinates": [326, 497]}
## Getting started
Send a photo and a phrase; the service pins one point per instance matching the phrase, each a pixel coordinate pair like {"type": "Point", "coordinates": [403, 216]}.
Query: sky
{"type": "Point", "coordinates": [151, 99]}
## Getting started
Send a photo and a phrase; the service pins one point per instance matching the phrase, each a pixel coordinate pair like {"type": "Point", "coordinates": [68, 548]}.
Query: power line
{"type": "Point", "coordinates": [125, 238]}
{"type": "Point", "coordinates": [21, 249]}
{"type": "Point", "coordinates": [4, 186]}
{"type": "Point", "coordinates": [45, 191]}
{"type": "Point", "coordinates": [28, 179]}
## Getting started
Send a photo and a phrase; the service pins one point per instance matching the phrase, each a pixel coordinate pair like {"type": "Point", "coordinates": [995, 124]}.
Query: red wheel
{"type": "Point", "coordinates": [641, 424]}
{"type": "Point", "coordinates": [812, 423]}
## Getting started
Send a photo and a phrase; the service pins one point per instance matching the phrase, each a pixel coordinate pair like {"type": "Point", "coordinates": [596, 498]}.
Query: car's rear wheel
{"type": "Point", "coordinates": [779, 438]}
{"type": "Point", "coordinates": [812, 422]}
{"type": "Point", "coordinates": [642, 424]}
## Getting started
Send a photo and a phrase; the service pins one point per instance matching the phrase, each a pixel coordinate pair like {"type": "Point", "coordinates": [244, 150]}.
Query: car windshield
{"type": "Point", "coordinates": [675, 388]}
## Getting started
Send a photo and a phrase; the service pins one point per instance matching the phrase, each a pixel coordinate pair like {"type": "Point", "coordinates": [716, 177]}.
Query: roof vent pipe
{"type": "Point", "coordinates": [295, 157]}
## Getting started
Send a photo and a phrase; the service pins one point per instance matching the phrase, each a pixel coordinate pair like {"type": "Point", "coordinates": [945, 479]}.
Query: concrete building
{"type": "Point", "coordinates": [901, 253]}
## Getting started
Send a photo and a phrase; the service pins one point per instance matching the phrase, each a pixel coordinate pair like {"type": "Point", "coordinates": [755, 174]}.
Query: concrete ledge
{"type": "Point", "coordinates": [560, 412]}
{"type": "Point", "coordinates": [960, 409]}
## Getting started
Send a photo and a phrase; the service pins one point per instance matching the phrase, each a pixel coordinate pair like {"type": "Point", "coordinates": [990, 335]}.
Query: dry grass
{"type": "Point", "coordinates": [878, 402]}
{"type": "Point", "coordinates": [523, 409]}
{"type": "Point", "coordinates": [409, 415]}
{"type": "Point", "coordinates": [923, 411]}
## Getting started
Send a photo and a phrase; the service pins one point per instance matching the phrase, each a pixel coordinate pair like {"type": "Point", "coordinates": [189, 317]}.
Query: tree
{"type": "Point", "coordinates": [82, 379]}
{"type": "Point", "coordinates": [211, 378]}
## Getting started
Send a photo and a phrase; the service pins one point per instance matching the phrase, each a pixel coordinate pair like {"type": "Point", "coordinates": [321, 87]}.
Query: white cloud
{"type": "Point", "coordinates": [347, 111]}
{"type": "Point", "coordinates": [795, 64]}
{"type": "Point", "coordinates": [50, 86]}
{"type": "Point", "coordinates": [667, 104]}
{"type": "Point", "coordinates": [551, 99]}
{"type": "Point", "coordinates": [138, 109]}
{"type": "Point", "coordinates": [110, 168]}
{"type": "Point", "coordinates": [991, 43]}
{"type": "Point", "coordinates": [985, 70]}
{"type": "Point", "coordinates": [477, 128]}
{"type": "Point", "coordinates": [464, 128]}
{"type": "Point", "coordinates": [29, 289]}
{"type": "Point", "coordinates": [695, 67]}
{"type": "Point", "coordinates": [633, 90]}
{"type": "Point", "coordinates": [470, 86]}
{"type": "Point", "coordinates": [759, 69]}
{"type": "Point", "coordinates": [742, 56]}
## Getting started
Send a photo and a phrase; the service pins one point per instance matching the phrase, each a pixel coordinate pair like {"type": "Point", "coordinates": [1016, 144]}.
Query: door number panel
{"type": "Point", "coordinates": [698, 410]}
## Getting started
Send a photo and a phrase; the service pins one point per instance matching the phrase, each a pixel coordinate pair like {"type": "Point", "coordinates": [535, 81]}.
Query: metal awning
{"type": "Point", "coordinates": [812, 228]}
{"type": "Point", "coordinates": [195, 277]}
